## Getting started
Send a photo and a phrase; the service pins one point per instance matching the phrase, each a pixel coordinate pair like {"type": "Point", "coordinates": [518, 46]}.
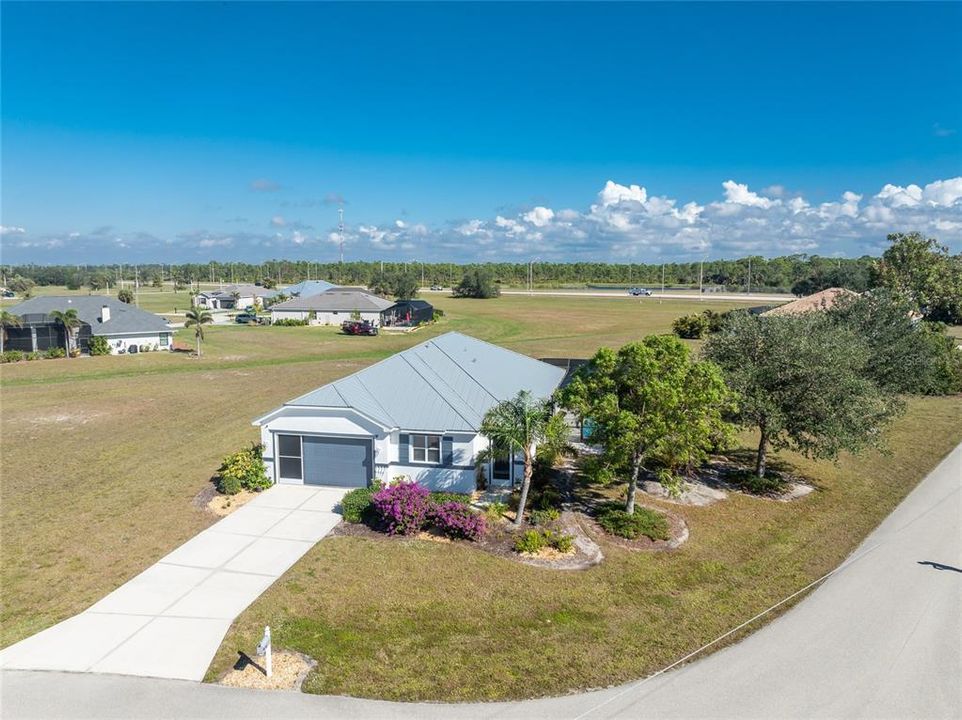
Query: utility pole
{"type": "Point", "coordinates": [749, 275]}
{"type": "Point", "coordinates": [701, 275]}
{"type": "Point", "coordinates": [422, 273]}
{"type": "Point", "coordinates": [663, 278]}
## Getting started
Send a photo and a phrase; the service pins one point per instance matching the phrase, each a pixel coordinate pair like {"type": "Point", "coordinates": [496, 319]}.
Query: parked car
{"type": "Point", "coordinates": [245, 319]}
{"type": "Point", "coordinates": [358, 327]}
{"type": "Point", "coordinates": [639, 291]}
{"type": "Point", "coordinates": [436, 287]}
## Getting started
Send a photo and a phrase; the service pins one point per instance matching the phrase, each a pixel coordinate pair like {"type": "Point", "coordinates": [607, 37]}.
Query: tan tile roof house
{"type": "Point", "coordinates": [824, 300]}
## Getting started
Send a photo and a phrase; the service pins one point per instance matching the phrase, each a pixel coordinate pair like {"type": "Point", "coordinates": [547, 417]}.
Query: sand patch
{"type": "Point", "coordinates": [287, 672]}
{"type": "Point", "coordinates": [222, 505]}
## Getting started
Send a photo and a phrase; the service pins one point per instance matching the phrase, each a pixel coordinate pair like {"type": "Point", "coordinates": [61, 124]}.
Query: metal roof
{"type": "Point", "coordinates": [337, 301]}
{"type": "Point", "coordinates": [306, 288]}
{"type": "Point", "coordinates": [445, 384]}
{"type": "Point", "coordinates": [244, 290]}
{"type": "Point", "coordinates": [124, 318]}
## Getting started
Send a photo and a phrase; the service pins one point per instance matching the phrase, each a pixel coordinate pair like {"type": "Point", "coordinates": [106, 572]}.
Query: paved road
{"type": "Point", "coordinates": [656, 295]}
{"type": "Point", "coordinates": [169, 621]}
{"type": "Point", "coordinates": [879, 639]}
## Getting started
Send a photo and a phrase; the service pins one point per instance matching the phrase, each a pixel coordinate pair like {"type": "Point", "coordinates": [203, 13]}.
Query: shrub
{"type": "Point", "coordinates": [244, 469]}
{"type": "Point", "coordinates": [54, 353]}
{"type": "Point", "coordinates": [438, 498]}
{"type": "Point", "coordinates": [356, 505]}
{"type": "Point", "coordinates": [11, 356]}
{"type": "Point", "coordinates": [403, 507]}
{"type": "Point", "coordinates": [690, 327]}
{"type": "Point", "coordinates": [437, 314]}
{"type": "Point", "coordinates": [291, 323]}
{"type": "Point", "coordinates": [532, 541]}
{"type": "Point", "coordinates": [457, 520]}
{"type": "Point", "coordinates": [31, 356]}
{"type": "Point", "coordinates": [99, 346]}
{"type": "Point", "coordinates": [649, 523]}
{"type": "Point", "coordinates": [495, 511]}
{"type": "Point", "coordinates": [545, 517]}
{"type": "Point", "coordinates": [74, 352]}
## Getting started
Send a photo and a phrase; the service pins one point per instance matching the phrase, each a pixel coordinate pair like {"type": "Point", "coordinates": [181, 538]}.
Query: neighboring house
{"type": "Point", "coordinates": [224, 298]}
{"type": "Point", "coordinates": [406, 313]}
{"type": "Point", "coordinates": [416, 414]}
{"type": "Point", "coordinates": [332, 307]}
{"type": "Point", "coordinates": [824, 300]}
{"type": "Point", "coordinates": [123, 325]}
{"type": "Point", "coordinates": [306, 288]}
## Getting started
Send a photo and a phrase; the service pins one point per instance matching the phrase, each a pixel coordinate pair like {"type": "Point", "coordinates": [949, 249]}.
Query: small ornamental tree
{"type": "Point", "coordinates": [519, 424]}
{"type": "Point", "coordinates": [804, 382]}
{"type": "Point", "coordinates": [196, 318]}
{"type": "Point", "coordinates": [70, 322]}
{"type": "Point", "coordinates": [125, 295]}
{"type": "Point", "coordinates": [651, 407]}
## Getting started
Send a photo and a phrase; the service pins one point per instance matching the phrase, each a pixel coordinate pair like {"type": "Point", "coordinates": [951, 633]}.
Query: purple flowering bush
{"type": "Point", "coordinates": [457, 520]}
{"type": "Point", "coordinates": [403, 507]}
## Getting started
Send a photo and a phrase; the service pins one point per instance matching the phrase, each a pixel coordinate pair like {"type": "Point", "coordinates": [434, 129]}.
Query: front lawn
{"type": "Point", "coordinates": [418, 620]}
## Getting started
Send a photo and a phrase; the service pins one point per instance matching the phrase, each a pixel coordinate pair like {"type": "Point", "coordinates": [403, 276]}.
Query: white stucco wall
{"type": "Point", "coordinates": [117, 342]}
{"type": "Point", "coordinates": [323, 318]}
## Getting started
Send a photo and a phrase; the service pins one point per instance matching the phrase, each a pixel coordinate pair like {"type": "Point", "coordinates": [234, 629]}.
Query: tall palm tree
{"type": "Point", "coordinates": [197, 317]}
{"type": "Point", "coordinates": [70, 322]}
{"type": "Point", "coordinates": [521, 423]}
{"type": "Point", "coordinates": [8, 320]}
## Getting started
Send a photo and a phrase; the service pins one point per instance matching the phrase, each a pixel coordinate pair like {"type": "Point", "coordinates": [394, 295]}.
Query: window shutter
{"type": "Point", "coordinates": [403, 452]}
{"type": "Point", "coordinates": [447, 451]}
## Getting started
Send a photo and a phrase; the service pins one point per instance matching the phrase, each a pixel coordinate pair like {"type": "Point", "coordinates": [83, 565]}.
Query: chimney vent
{"type": "Point", "coordinates": [104, 313]}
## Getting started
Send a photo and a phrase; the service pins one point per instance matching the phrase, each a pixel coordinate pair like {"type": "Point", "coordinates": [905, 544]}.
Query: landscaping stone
{"type": "Point", "coordinates": [288, 671]}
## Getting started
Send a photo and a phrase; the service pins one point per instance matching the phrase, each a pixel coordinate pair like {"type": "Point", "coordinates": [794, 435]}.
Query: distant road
{"type": "Point", "coordinates": [878, 639]}
{"type": "Point", "coordinates": [655, 295]}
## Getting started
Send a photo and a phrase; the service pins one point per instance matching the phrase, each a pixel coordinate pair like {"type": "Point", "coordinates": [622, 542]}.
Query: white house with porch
{"type": "Point", "coordinates": [416, 414]}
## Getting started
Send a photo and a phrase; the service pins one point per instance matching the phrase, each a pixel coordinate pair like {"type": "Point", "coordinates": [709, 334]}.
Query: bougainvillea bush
{"type": "Point", "coordinates": [457, 520]}
{"type": "Point", "coordinates": [403, 507]}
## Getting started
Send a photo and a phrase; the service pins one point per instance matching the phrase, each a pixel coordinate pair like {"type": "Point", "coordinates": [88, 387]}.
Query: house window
{"type": "Point", "coordinates": [289, 457]}
{"type": "Point", "coordinates": [426, 448]}
{"type": "Point", "coordinates": [165, 338]}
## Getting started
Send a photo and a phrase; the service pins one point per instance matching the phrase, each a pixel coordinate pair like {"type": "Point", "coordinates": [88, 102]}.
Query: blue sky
{"type": "Point", "coordinates": [476, 131]}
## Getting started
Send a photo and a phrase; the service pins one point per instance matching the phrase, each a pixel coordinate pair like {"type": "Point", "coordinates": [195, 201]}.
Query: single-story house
{"type": "Point", "coordinates": [416, 414]}
{"type": "Point", "coordinates": [124, 326]}
{"type": "Point", "coordinates": [306, 288]}
{"type": "Point", "coordinates": [823, 300]}
{"type": "Point", "coordinates": [406, 313]}
{"type": "Point", "coordinates": [234, 296]}
{"type": "Point", "coordinates": [332, 307]}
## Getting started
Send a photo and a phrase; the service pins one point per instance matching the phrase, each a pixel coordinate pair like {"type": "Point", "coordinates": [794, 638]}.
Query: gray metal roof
{"type": "Point", "coordinates": [337, 301]}
{"type": "Point", "coordinates": [445, 384]}
{"type": "Point", "coordinates": [306, 288]}
{"type": "Point", "coordinates": [124, 318]}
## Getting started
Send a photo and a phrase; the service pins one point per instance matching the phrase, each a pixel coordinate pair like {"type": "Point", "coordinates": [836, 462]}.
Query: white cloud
{"type": "Point", "coordinates": [739, 194]}
{"type": "Point", "coordinates": [11, 230]}
{"type": "Point", "coordinates": [613, 193]}
{"type": "Point", "coordinates": [278, 221]}
{"type": "Point", "coordinates": [539, 216]}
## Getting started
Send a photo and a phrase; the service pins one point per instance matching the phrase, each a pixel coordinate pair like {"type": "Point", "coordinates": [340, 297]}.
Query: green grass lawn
{"type": "Point", "coordinates": [101, 458]}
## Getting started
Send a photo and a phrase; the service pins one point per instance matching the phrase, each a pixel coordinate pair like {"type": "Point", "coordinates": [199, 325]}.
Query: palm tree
{"type": "Point", "coordinates": [70, 322]}
{"type": "Point", "coordinates": [8, 320]}
{"type": "Point", "coordinates": [521, 423]}
{"type": "Point", "coordinates": [197, 317]}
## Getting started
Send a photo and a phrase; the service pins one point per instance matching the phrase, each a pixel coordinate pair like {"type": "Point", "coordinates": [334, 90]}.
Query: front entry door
{"type": "Point", "coordinates": [501, 467]}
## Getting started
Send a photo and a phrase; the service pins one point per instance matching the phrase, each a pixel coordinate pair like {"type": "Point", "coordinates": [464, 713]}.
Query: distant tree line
{"type": "Point", "coordinates": [917, 267]}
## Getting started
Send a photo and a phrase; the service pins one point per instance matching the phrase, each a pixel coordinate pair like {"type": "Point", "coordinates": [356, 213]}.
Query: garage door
{"type": "Point", "coordinates": [345, 462]}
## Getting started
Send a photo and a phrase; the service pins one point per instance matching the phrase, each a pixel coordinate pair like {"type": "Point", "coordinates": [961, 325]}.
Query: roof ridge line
{"type": "Point", "coordinates": [440, 395]}
{"type": "Point", "coordinates": [373, 397]}
{"type": "Point", "coordinates": [465, 401]}
{"type": "Point", "coordinates": [465, 371]}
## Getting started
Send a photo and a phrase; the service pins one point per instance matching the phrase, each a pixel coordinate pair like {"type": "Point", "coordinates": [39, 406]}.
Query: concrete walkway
{"type": "Point", "coordinates": [879, 639]}
{"type": "Point", "coordinates": [169, 621]}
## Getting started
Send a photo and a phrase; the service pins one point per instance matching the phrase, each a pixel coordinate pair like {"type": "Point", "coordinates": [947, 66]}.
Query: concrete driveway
{"type": "Point", "coordinates": [881, 638]}
{"type": "Point", "coordinates": [169, 621]}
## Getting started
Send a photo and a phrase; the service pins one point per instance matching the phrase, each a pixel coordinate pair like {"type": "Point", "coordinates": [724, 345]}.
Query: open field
{"type": "Point", "coordinates": [101, 458]}
{"type": "Point", "coordinates": [155, 300]}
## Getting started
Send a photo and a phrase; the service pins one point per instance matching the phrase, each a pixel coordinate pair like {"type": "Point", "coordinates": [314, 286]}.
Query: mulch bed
{"type": "Point", "coordinates": [499, 541]}
{"type": "Point", "coordinates": [678, 533]}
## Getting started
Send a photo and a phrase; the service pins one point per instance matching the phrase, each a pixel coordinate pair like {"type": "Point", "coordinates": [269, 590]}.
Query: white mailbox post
{"type": "Point", "coordinates": [265, 649]}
